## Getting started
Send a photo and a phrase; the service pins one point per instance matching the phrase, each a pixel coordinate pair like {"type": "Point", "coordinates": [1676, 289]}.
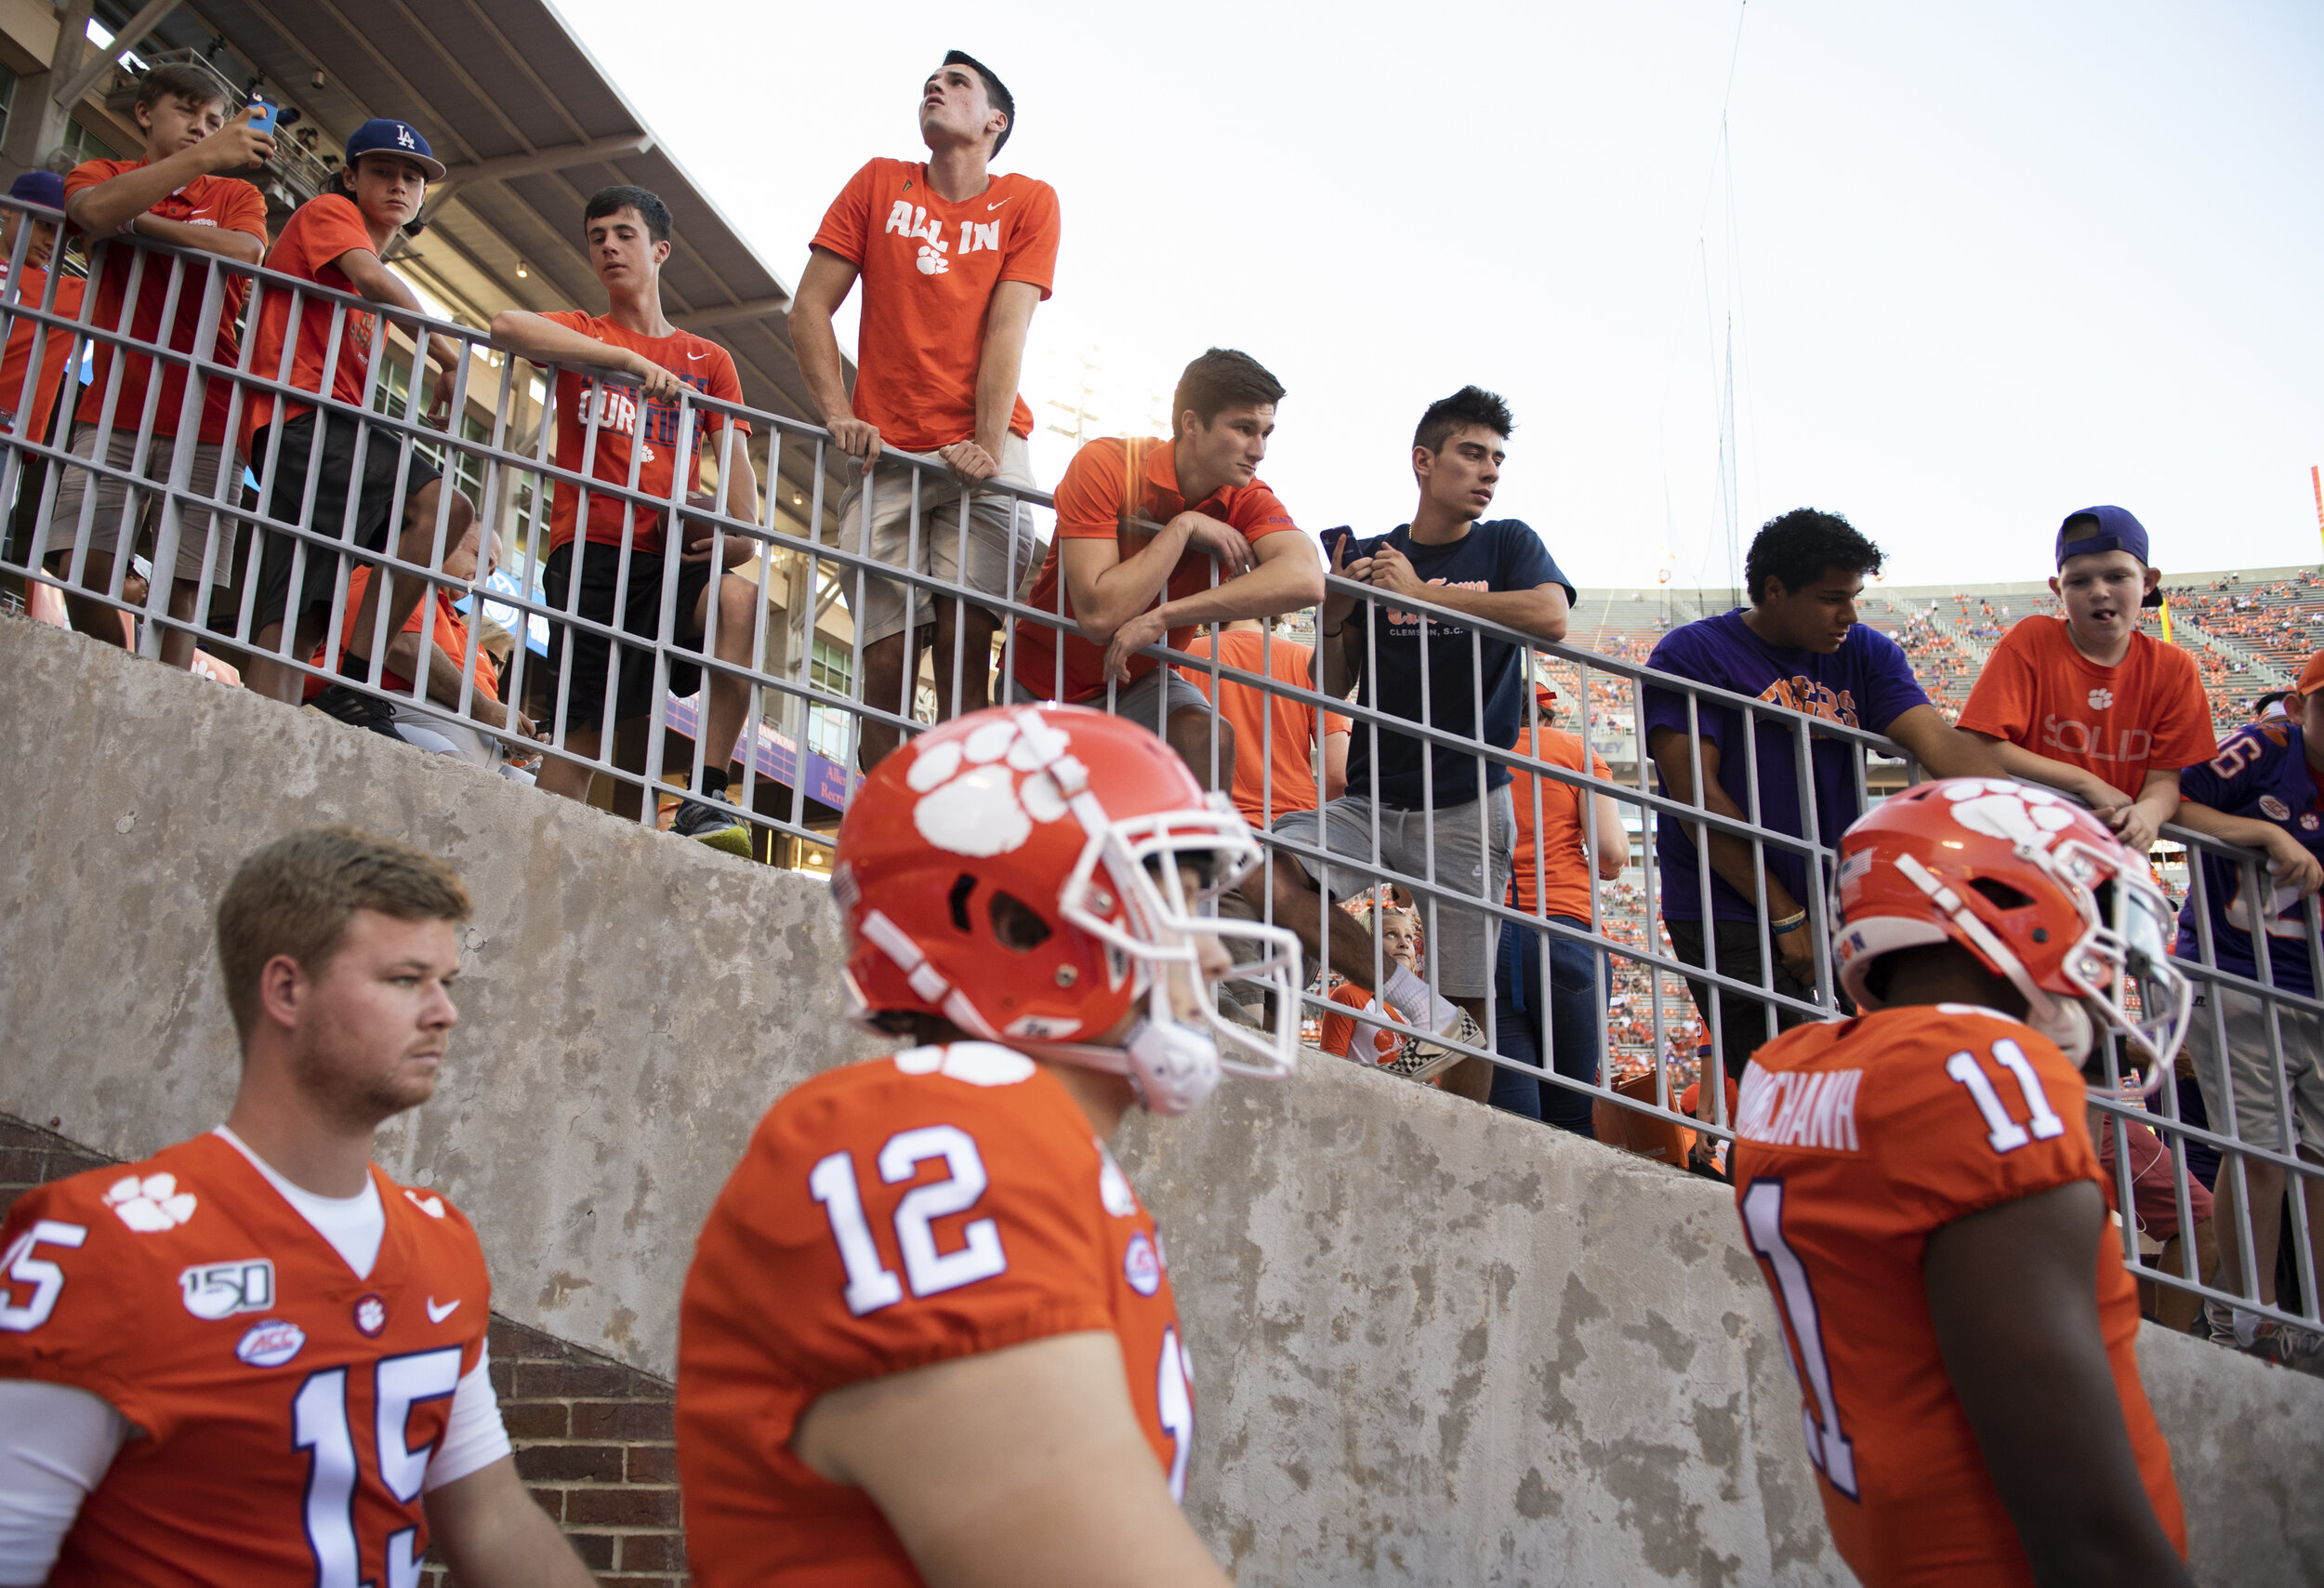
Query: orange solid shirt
{"type": "Point", "coordinates": [1566, 876]}
{"type": "Point", "coordinates": [449, 632]}
{"type": "Point", "coordinates": [1340, 1029]}
{"type": "Point", "coordinates": [1111, 481]}
{"type": "Point", "coordinates": [697, 361]}
{"type": "Point", "coordinates": [56, 358]}
{"type": "Point", "coordinates": [185, 1291]}
{"type": "Point", "coordinates": [206, 201]}
{"type": "Point", "coordinates": [1275, 735]}
{"type": "Point", "coordinates": [2148, 712]}
{"type": "Point", "coordinates": [889, 1215]}
{"type": "Point", "coordinates": [1856, 1141]}
{"type": "Point", "coordinates": [321, 231]}
{"type": "Point", "coordinates": [929, 269]}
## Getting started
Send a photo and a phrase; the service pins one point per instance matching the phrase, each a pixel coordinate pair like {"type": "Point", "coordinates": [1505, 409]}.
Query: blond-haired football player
{"type": "Point", "coordinates": [253, 1358]}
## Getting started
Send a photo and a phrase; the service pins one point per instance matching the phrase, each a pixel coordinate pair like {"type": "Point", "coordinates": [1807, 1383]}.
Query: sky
{"type": "Point", "coordinates": [1964, 267]}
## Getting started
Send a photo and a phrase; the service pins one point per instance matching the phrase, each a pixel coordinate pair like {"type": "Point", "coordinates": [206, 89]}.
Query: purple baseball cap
{"type": "Point", "coordinates": [2117, 531]}
{"type": "Point", "coordinates": [43, 187]}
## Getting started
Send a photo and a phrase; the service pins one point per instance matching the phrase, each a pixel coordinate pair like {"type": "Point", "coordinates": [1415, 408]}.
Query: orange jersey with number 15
{"type": "Point", "coordinates": [1855, 1142]}
{"type": "Point", "coordinates": [892, 1215]}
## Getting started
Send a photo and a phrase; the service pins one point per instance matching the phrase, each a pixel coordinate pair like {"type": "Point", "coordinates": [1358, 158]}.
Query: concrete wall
{"type": "Point", "coordinates": [1430, 1343]}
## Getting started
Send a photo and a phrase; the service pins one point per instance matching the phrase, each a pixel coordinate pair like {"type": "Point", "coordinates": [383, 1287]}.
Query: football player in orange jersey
{"type": "Point", "coordinates": [1919, 1187]}
{"type": "Point", "coordinates": [929, 1334]}
{"type": "Point", "coordinates": [253, 1359]}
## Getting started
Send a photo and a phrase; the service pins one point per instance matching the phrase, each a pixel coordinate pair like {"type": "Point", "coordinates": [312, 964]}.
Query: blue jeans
{"type": "Point", "coordinates": [1572, 1028]}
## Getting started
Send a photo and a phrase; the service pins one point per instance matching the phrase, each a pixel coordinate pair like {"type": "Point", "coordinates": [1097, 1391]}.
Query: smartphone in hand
{"type": "Point", "coordinates": [262, 117]}
{"type": "Point", "coordinates": [1334, 539]}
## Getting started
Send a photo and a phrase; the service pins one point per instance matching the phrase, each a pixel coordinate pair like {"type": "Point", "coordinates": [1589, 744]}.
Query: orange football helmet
{"type": "Point", "coordinates": [2037, 888]}
{"type": "Point", "coordinates": [1016, 871]}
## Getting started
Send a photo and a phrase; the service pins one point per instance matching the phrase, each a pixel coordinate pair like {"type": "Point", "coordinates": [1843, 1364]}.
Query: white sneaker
{"type": "Point", "coordinates": [1412, 996]}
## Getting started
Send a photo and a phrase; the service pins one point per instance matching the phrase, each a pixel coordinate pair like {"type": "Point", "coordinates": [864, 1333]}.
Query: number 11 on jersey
{"type": "Point", "coordinates": [1827, 1445]}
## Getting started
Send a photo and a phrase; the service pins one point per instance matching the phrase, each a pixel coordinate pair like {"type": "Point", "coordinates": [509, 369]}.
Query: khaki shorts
{"type": "Point", "coordinates": [2251, 1069]}
{"type": "Point", "coordinates": [143, 508]}
{"type": "Point", "coordinates": [1001, 544]}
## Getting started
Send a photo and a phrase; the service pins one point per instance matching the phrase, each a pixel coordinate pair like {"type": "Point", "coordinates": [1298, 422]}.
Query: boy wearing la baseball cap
{"type": "Point", "coordinates": [338, 239]}
{"type": "Point", "coordinates": [2088, 703]}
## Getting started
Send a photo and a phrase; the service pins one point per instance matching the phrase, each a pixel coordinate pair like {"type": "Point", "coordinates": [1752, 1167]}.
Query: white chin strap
{"type": "Point", "coordinates": [1173, 1068]}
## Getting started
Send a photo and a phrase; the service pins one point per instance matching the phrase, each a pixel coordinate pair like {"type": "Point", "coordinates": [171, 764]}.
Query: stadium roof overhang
{"type": "Point", "coordinates": [530, 126]}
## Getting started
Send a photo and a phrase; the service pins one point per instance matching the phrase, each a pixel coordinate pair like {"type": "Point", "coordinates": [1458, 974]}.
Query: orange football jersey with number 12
{"type": "Point", "coordinates": [892, 1215]}
{"type": "Point", "coordinates": [288, 1407]}
{"type": "Point", "coordinates": [1855, 1142]}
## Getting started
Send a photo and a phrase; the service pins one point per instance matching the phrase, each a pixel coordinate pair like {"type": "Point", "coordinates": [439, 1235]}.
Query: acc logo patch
{"type": "Point", "coordinates": [973, 801]}
{"type": "Point", "coordinates": [371, 1315]}
{"type": "Point", "coordinates": [150, 1205]}
{"type": "Point", "coordinates": [271, 1344]}
{"type": "Point", "coordinates": [212, 1291]}
{"type": "Point", "coordinates": [2275, 807]}
{"type": "Point", "coordinates": [1141, 1266]}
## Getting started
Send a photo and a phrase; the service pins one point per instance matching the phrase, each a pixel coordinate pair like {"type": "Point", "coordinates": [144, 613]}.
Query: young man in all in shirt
{"type": "Point", "coordinates": [1443, 817]}
{"type": "Point", "coordinates": [2263, 791]}
{"type": "Point", "coordinates": [629, 233]}
{"type": "Point", "coordinates": [340, 240]}
{"type": "Point", "coordinates": [2086, 702]}
{"type": "Point", "coordinates": [1920, 1189]}
{"type": "Point", "coordinates": [1128, 586]}
{"type": "Point", "coordinates": [953, 259]}
{"type": "Point", "coordinates": [253, 1359]}
{"type": "Point", "coordinates": [174, 193]}
{"type": "Point", "coordinates": [1800, 646]}
{"type": "Point", "coordinates": [922, 1258]}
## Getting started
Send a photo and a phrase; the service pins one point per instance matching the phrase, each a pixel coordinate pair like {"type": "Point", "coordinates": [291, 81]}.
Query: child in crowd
{"type": "Point", "coordinates": [2087, 704]}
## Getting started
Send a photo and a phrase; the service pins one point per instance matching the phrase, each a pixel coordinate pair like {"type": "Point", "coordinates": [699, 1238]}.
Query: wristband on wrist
{"type": "Point", "coordinates": [1790, 923]}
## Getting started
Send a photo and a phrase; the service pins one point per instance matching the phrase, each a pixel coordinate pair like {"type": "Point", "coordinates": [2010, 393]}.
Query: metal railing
{"type": "Point", "coordinates": [497, 452]}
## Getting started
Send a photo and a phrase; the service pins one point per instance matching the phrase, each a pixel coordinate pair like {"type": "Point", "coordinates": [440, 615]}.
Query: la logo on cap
{"type": "Point", "coordinates": [403, 136]}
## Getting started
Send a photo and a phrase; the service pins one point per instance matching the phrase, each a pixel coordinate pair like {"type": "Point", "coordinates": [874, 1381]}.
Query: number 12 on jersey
{"type": "Point", "coordinates": [870, 1284]}
{"type": "Point", "coordinates": [1828, 1445]}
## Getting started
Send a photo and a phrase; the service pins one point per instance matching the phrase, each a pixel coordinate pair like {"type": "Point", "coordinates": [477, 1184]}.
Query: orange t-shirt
{"type": "Point", "coordinates": [2147, 712]}
{"type": "Point", "coordinates": [890, 1215]}
{"type": "Point", "coordinates": [698, 362]}
{"type": "Point", "coordinates": [56, 358]}
{"type": "Point", "coordinates": [1566, 876]}
{"type": "Point", "coordinates": [206, 201]}
{"type": "Point", "coordinates": [1110, 483]}
{"type": "Point", "coordinates": [450, 633]}
{"type": "Point", "coordinates": [1340, 1029]}
{"type": "Point", "coordinates": [929, 269]}
{"type": "Point", "coordinates": [319, 232]}
{"type": "Point", "coordinates": [1856, 1141]}
{"type": "Point", "coordinates": [1283, 778]}
{"type": "Point", "coordinates": [187, 1293]}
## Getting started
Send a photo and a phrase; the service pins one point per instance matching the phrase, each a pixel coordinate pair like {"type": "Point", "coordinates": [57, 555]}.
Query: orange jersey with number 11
{"type": "Point", "coordinates": [891, 1215]}
{"type": "Point", "coordinates": [1855, 1142]}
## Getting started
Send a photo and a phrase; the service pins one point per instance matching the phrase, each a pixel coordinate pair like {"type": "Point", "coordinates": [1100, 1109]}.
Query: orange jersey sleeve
{"type": "Point", "coordinates": [890, 1216]}
{"type": "Point", "coordinates": [1856, 1141]}
{"type": "Point", "coordinates": [262, 1371]}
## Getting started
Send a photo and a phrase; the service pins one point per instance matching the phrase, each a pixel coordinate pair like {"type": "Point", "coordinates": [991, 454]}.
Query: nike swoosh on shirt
{"type": "Point", "coordinates": [990, 207]}
{"type": "Point", "coordinates": [438, 1314]}
{"type": "Point", "coordinates": [698, 355]}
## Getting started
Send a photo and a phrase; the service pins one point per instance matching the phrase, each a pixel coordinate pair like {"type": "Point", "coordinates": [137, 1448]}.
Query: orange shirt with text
{"type": "Point", "coordinates": [206, 201]}
{"type": "Point", "coordinates": [1111, 482]}
{"type": "Point", "coordinates": [1276, 736]}
{"type": "Point", "coordinates": [697, 361]}
{"type": "Point", "coordinates": [929, 269]}
{"type": "Point", "coordinates": [2146, 713]}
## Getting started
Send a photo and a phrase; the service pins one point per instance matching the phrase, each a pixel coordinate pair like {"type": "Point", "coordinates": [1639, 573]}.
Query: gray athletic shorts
{"type": "Point", "coordinates": [1472, 858]}
{"type": "Point", "coordinates": [2250, 1067]}
{"type": "Point", "coordinates": [1146, 701]}
{"type": "Point", "coordinates": [996, 526]}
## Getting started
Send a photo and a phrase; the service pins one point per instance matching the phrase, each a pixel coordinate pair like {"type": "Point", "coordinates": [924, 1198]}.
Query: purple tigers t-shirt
{"type": "Point", "coordinates": [2261, 771]}
{"type": "Point", "coordinates": [1867, 684]}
